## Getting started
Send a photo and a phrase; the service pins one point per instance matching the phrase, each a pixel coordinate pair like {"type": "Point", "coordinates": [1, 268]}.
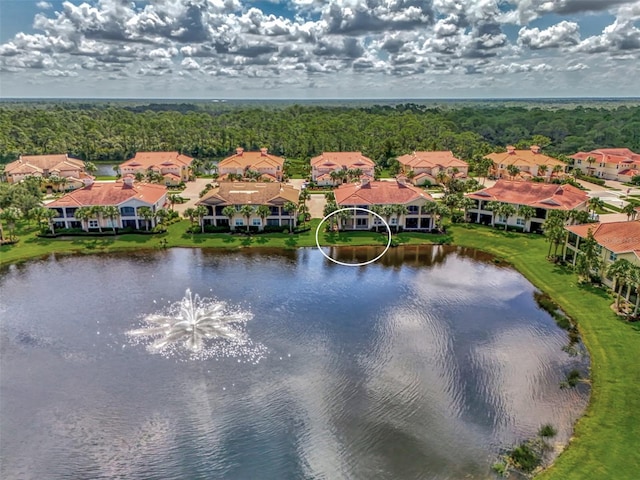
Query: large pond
{"type": "Point", "coordinates": [424, 365]}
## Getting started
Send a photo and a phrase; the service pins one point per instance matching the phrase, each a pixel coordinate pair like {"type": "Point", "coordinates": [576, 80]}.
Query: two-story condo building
{"type": "Point", "coordinates": [238, 194]}
{"type": "Point", "coordinates": [609, 163]}
{"type": "Point", "coordinates": [530, 163]}
{"type": "Point", "coordinates": [367, 194]}
{"type": "Point", "coordinates": [616, 240]}
{"type": "Point", "coordinates": [270, 166]}
{"type": "Point", "coordinates": [173, 166]}
{"type": "Point", "coordinates": [423, 167]}
{"type": "Point", "coordinates": [542, 197]}
{"type": "Point", "coordinates": [126, 194]}
{"type": "Point", "coordinates": [341, 163]}
{"type": "Point", "coordinates": [47, 166]}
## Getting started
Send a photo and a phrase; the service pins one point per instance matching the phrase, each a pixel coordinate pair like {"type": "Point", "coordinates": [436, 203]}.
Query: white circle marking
{"type": "Point", "coordinates": [353, 264]}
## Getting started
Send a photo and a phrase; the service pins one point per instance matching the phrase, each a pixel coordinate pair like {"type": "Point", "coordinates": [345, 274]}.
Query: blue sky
{"type": "Point", "coordinates": [319, 49]}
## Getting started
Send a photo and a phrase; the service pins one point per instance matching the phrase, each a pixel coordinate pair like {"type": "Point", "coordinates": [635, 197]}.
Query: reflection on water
{"type": "Point", "coordinates": [423, 365]}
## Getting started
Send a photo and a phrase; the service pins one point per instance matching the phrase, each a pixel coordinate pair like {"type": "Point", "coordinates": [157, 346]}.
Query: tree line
{"type": "Point", "coordinates": [104, 132]}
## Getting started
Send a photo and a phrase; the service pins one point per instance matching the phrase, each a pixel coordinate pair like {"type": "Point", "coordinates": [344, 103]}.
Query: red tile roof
{"type": "Point", "coordinates": [528, 157]}
{"type": "Point", "coordinates": [609, 155]}
{"type": "Point", "coordinates": [618, 237]}
{"type": "Point", "coordinates": [443, 159]}
{"type": "Point", "coordinates": [378, 193]}
{"type": "Point", "coordinates": [153, 159]}
{"type": "Point", "coordinates": [110, 193]}
{"type": "Point", "coordinates": [250, 193]}
{"type": "Point", "coordinates": [538, 195]}
{"type": "Point", "coordinates": [29, 164]}
{"type": "Point", "coordinates": [252, 160]}
{"type": "Point", "coordinates": [350, 160]}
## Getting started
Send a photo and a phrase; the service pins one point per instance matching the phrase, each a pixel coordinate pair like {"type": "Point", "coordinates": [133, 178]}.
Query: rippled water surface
{"type": "Point", "coordinates": [424, 365]}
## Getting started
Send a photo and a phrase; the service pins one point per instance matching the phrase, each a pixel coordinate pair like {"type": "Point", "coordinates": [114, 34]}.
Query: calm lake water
{"type": "Point", "coordinates": [424, 365]}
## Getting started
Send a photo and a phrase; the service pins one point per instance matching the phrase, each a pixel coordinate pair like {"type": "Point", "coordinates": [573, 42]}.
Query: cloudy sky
{"type": "Point", "coordinates": [319, 49]}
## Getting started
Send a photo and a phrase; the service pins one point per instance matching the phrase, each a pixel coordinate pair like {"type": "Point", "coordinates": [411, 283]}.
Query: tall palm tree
{"type": "Point", "coordinates": [200, 212]}
{"type": "Point", "coordinates": [542, 170]}
{"type": "Point", "coordinates": [48, 215]}
{"type": "Point", "coordinates": [292, 208]}
{"type": "Point", "coordinates": [173, 198]}
{"type": "Point", "coordinates": [162, 215]}
{"type": "Point", "coordinates": [467, 204]}
{"type": "Point", "coordinates": [112, 213]}
{"type": "Point", "coordinates": [526, 212]}
{"type": "Point", "coordinates": [97, 211]}
{"type": "Point", "coordinates": [596, 203]}
{"type": "Point", "coordinates": [621, 272]}
{"type": "Point", "coordinates": [147, 214]}
{"type": "Point", "coordinates": [190, 213]}
{"type": "Point", "coordinates": [557, 169]}
{"type": "Point", "coordinates": [9, 217]}
{"type": "Point", "coordinates": [246, 211]}
{"type": "Point", "coordinates": [304, 196]}
{"type": "Point", "coordinates": [83, 214]}
{"type": "Point", "coordinates": [90, 167]}
{"type": "Point", "coordinates": [229, 212]}
{"type": "Point", "coordinates": [630, 210]}
{"type": "Point", "coordinates": [328, 209]}
{"type": "Point", "coordinates": [590, 161]}
{"type": "Point", "coordinates": [400, 211]}
{"type": "Point", "coordinates": [513, 170]}
{"type": "Point", "coordinates": [263, 212]}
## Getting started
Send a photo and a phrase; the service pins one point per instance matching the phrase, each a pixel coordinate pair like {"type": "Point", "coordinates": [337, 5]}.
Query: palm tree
{"type": "Point", "coordinates": [173, 198]}
{"type": "Point", "coordinates": [10, 216]}
{"type": "Point", "coordinates": [246, 211]}
{"type": "Point", "coordinates": [620, 272]}
{"type": "Point", "coordinates": [190, 213]}
{"type": "Point", "coordinates": [200, 212]}
{"type": "Point", "coordinates": [162, 215]}
{"type": "Point", "coordinates": [263, 212]}
{"type": "Point", "coordinates": [507, 210]}
{"type": "Point", "coordinates": [292, 208]}
{"type": "Point", "coordinates": [513, 171]}
{"type": "Point", "coordinates": [542, 170]}
{"type": "Point", "coordinates": [526, 212]}
{"type": "Point", "coordinates": [97, 211]}
{"type": "Point", "coordinates": [229, 212]}
{"type": "Point", "coordinates": [116, 170]}
{"type": "Point", "coordinates": [590, 161]}
{"type": "Point", "coordinates": [467, 204]}
{"type": "Point", "coordinates": [400, 210]}
{"type": "Point", "coordinates": [557, 169]}
{"type": "Point", "coordinates": [493, 207]}
{"type": "Point", "coordinates": [596, 203]}
{"type": "Point", "coordinates": [588, 261]}
{"type": "Point", "coordinates": [630, 210]}
{"type": "Point", "coordinates": [147, 214]}
{"type": "Point", "coordinates": [635, 280]}
{"type": "Point", "coordinates": [335, 176]}
{"type": "Point", "coordinates": [90, 167]}
{"type": "Point", "coordinates": [48, 215]}
{"type": "Point", "coordinates": [329, 208]}
{"type": "Point", "coordinates": [304, 196]}
{"type": "Point", "coordinates": [83, 214]}
{"type": "Point", "coordinates": [112, 213]}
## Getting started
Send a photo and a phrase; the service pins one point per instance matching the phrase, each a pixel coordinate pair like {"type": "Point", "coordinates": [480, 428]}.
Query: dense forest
{"type": "Point", "coordinates": [107, 132]}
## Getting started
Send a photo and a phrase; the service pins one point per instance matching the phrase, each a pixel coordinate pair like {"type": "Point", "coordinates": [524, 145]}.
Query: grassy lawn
{"type": "Point", "coordinates": [605, 438]}
{"type": "Point", "coordinates": [30, 246]}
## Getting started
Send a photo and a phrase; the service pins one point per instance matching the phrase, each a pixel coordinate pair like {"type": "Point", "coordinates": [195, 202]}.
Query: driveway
{"type": "Point", "coordinates": [192, 194]}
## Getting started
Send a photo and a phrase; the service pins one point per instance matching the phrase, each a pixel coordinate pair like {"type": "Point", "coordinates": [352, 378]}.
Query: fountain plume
{"type": "Point", "coordinates": [201, 328]}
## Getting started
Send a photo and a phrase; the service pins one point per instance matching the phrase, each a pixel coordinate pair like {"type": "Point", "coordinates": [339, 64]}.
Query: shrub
{"type": "Point", "coordinates": [547, 431]}
{"type": "Point", "coordinates": [525, 458]}
{"type": "Point", "coordinates": [457, 217]}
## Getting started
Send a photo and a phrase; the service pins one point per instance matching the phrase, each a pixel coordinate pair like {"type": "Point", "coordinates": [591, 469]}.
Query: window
{"type": "Point", "coordinates": [520, 221]}
{"type": "Point", "coordinates": [239, 222]}
{"type": "Point", "coordinates": [377, 221]}
{"type": "Point", "coordinates": [361, 222]}
{"type": "Point", "coordinates": [256, 222]}
{"type": "Point", "coordinates": [394, 221]}
{"type": "Point", "coordinates": [93, 224]}
{"type": "Point", "coordinates": [413, 209]}
{"type": "Point", "coordinates": [127, 211]}
{"type": "Point", "coordinates": [238, 207]}
{"type": "Point", "coordinates": [501, 219]}
{"type": "Point", "coordinates": [579, 162]}
{"type": "Point", "coordinates": [613, 257]}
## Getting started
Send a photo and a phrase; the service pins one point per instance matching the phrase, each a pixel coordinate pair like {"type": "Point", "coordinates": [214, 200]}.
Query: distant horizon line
{"type": "Point", "coordinates": [363, 99]}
